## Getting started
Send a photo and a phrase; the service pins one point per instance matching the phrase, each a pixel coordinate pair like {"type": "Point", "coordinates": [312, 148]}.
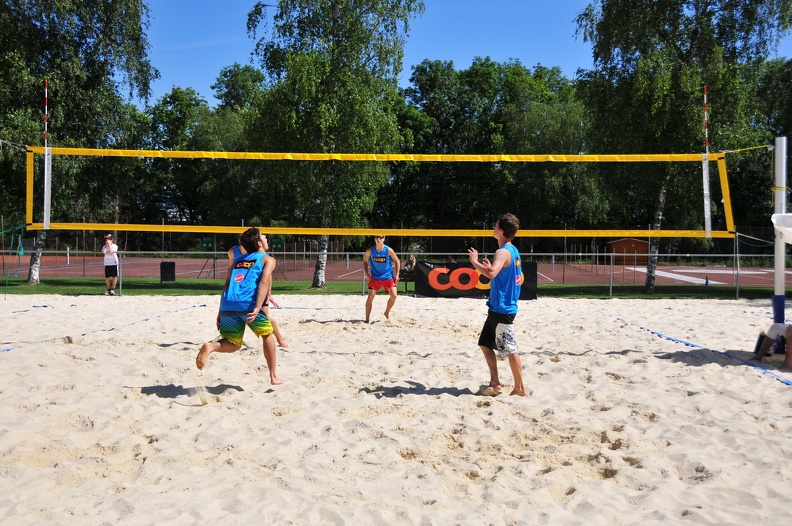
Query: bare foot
{"type": "Point", "coordinates": [203, 356]}
{"type": "Point", "coordinates": [518, 393]}
{"type": "Point", "coordinates": [275, 381]}
{"type": "Point", "coordinates": [387, 315]}
{"type": "Point", "coordinates": [785, 368]}
{"type": "Point", "coordinates": [282, 343]}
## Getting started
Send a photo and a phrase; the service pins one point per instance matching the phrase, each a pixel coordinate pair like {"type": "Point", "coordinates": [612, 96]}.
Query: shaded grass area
{"type": "Point", "coordinates": [153, 287]}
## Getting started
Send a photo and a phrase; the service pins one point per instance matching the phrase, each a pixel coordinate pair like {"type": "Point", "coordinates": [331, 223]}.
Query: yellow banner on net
{"type": "Point", "coordinates": [393, 232]}
{"type": "Point", "coordinates": [270, 156]}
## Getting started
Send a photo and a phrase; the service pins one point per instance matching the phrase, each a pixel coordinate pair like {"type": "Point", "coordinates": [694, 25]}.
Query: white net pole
{"type": "Point", "coordinates": [707, 200]}
{"type": "Point", "coordinates": [705, 172]}
{"type": "Point", "coordinates": [47, 160]}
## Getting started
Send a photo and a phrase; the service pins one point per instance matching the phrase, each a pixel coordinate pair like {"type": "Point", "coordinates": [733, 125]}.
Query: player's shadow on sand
{"type": "Point", "coordinates": [175, 391]}
{"type": "Point", "coordinates": [702, 356]}
{"type": "Point", "coordinates": [414, 389]}
{"type": "Point", "coordinates": [191, 344]}
{"type": "Point", "coordinates": [337, 320]}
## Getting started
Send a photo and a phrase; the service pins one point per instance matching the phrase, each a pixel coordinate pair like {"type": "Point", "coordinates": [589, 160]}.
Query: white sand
{"type": "Point", "coordinates": [101, 421]}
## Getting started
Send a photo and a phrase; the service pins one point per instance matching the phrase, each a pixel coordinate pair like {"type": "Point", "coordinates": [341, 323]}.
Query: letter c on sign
{"type": "Point", "coordinates": [473, 278]}
{"type": "Point", "coordinates": [453, 279]}
{"type": "Point", "coordinates": [434, 280]}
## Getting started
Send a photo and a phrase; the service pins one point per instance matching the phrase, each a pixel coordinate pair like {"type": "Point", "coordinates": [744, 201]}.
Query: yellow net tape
{"type": "Point", "coordinates": [265, 156]}
{"type": "Point", "coordinates": [416, 232]}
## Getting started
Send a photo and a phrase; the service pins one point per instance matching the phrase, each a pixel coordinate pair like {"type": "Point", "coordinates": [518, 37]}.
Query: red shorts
{"type": "Point", "coordinates": [376, 284]}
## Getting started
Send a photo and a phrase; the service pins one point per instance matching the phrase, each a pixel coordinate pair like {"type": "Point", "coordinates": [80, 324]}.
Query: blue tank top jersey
{"type": "Point", "coordinates": [242, 288]}
{"type": "Point", "coordinates": [381, 268]}
{"type": "Point", "coordinates": [505, 287]}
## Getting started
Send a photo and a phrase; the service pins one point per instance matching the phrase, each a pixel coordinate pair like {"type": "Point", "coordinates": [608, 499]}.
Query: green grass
{"type": "Point", "coordinates": [660, 292]}
{"type": "Point", "coordinates": [194, 287]}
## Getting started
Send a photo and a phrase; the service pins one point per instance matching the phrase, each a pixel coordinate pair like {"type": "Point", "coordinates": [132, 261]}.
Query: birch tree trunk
{"type": "Point", "coordinates": [35, 258]}
{"type": "Point", "coordinates": [654, 242]}
{"type": "Point", "coordinates": [321, 264]}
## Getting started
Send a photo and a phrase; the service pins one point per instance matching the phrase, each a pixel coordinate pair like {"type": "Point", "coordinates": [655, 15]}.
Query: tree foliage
{"type": "Point", "coordinates": [325, 80]}
{"type": "Point", "coordinates": [81, 47]}
{"type": "Point", "coordinates": [651, 62]}
{"type": "Point", "coordinates": [331, 66]}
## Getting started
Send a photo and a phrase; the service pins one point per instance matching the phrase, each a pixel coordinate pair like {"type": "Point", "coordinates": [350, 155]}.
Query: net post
{"type": "Point", "coordinates": [47, 160]}
{"type": "Point", "coordinates": [780, 246]}
{"type": "Point", "coordinates": [29, 165]}
{"type": "Point", "coordinates": [707, 200]}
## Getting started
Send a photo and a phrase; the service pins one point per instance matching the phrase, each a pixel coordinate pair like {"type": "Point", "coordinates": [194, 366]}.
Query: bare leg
{"type": "Point", "coordinates": [492, 364]}
{"type": "Point", "coordinates": [370, 303]}
{"type": "Point", "coordinates": [787, 365]}
{"type": "Point", "coordinates": [271, 357]}
{"type": "Point", "coordinates": [278, 336]}
{"type": "Point", "coordinates": [275, 330]}
{"type": "Point", "coordinates": [210, 347]}
{"type": "Point", "coordinates": [516, 368]}
{"type": "Point", "coordinates": [391, 300]}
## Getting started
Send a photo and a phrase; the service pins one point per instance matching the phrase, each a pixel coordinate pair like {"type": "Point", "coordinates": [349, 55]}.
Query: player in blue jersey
{"type": "Point", "coordinates": [246, 289]}
{"type": "Point", "coordinates": [505, 273]}
{"type": "Point", "coordinates": [381, 268]}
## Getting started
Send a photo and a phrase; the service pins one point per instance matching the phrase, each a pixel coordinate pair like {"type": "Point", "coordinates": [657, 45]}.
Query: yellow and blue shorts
{"type": "Point", "coordinates": [232, 326]}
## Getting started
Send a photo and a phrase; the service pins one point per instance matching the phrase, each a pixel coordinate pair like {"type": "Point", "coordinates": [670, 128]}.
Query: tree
{"type": "Point", "coordinates": [331, 66]}
{"type": "Point", "coordinates": [541, 115]}
{"type": "Point", "coordinates": [81, 47]}
{"type": "Point", "coordinates": [173, 120]}
{"type": "Point", "coordinates": [651, 61]}
{"type": "Point", "coordinates": [775, 92]}
{"type": "Point", "coordinates": [496, 108]}
{"type": "Point", "coordinates": [238, 87]}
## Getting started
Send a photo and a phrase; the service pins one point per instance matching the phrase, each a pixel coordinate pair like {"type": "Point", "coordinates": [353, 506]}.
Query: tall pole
{"type": "Point", "coordinates": [705, 171]}
{"type": "Point", "coordinates": [47, 160]}
{"type": "Point", "coordinates": [779, 199]}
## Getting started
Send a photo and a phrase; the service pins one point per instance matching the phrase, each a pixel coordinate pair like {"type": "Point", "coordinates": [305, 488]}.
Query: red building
{"type": "Point", "coordinates": [629, 251]}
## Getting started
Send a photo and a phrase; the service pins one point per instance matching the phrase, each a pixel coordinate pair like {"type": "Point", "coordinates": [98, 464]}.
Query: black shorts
{"type": "Point", "coordinates": [498, 333]}
{"type": "Point", "coordinates": [111, 271]}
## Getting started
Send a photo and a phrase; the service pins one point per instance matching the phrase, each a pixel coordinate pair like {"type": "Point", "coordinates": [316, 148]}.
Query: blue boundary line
{"type": "Point", "coordinates": [697, 346]}
{"type": "Point", "coordinates": [6, 349]}
{"type": "Point", "coordinates": [768, 315]}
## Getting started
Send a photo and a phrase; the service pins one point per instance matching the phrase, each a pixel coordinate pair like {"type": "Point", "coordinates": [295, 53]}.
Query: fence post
{"type": "Point", "coordinates": [610, 291]}
{"type": "Point", "coordinates": [737, 263]}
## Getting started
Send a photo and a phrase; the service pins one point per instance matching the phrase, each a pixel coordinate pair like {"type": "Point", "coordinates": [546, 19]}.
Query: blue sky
{"type": "Point", "coordinates": [192, 40]}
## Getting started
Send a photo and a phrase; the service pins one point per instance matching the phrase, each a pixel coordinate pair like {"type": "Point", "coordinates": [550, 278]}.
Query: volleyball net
{"type": "Point", "coordinates": [44, 222]}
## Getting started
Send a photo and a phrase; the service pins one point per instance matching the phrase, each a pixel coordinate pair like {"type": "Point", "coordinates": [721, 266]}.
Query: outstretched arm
{"type": "Point", "coordinates": [395, 263]}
